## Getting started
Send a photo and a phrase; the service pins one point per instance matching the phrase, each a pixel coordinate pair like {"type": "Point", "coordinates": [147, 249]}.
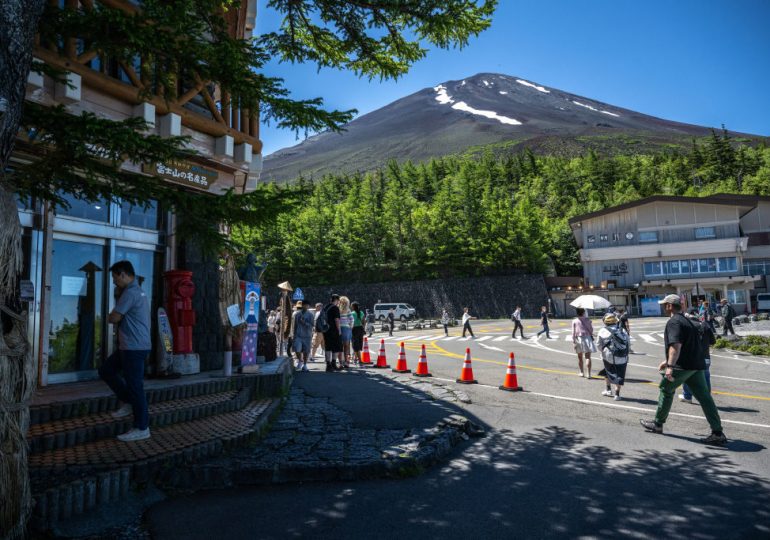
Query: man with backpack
{"type": "Point", "coordinates": [708, 340]}
{"type": "Point", "coordinates": [684, 362]}
{"type": "Point", "coordinates": [328, 322]}
{"type": "Point", "coordinates": [728, 314]}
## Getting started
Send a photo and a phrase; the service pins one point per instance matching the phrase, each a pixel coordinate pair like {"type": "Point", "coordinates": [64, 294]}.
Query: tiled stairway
{"type": "Point", "coordinates": [76, 464]}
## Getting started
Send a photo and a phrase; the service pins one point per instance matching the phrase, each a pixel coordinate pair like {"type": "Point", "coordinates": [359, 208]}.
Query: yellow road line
{"type": "Point", "coordinates": [444, 352]}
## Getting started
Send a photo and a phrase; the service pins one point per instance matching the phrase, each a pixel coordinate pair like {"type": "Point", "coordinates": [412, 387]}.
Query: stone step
{"type": "Point", "coordinates": [71, 481]}
{"type": "Point", "coordinates": [82, 429]}
{"type": "Point", "coordinates": [75, 404]}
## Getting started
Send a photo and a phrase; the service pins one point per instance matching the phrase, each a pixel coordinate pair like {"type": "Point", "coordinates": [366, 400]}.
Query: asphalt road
{"type": "Point", "coordinates": [559, 461]}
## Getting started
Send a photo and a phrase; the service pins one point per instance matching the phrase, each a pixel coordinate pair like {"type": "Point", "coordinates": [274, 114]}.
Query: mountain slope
{"type": "Point", "coordinates": [499, 111]}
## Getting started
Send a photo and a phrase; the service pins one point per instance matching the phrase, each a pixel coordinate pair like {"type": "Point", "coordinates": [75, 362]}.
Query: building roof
{"type": "Point", "coordinates": [749, 201]}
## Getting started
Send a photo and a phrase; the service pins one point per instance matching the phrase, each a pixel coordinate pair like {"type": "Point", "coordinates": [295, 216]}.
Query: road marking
{"type": "Point", "coordinates": [484, 338]}
{"type": "Point", "coordinates": [736, 357]}
{"type": "Point", "coordinates": [501, 338]}
{"type": "Point", "coordinates": [434, 338]}
{"type": "Point", "coordinates": [649, 339]}
{"type": "Point", "coordinates": [420, 338]}
{"type": "Point", "coordinates": [489, 347]}
{"type": "Point", "coordinates": [450, 338]}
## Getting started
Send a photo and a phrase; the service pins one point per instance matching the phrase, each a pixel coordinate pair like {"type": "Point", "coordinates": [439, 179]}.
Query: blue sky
{"type": "Point", "coordinates": [703, 62]}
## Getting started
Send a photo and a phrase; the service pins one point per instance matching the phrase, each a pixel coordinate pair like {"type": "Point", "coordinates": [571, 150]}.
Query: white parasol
{"type": "Point", "coordinates": [590, 301]}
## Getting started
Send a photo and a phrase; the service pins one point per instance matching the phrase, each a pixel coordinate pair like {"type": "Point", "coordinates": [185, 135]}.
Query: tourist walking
{"type": "Point", "coordinates": [467, 322]}
{"type": "Point", "coordinates": [728, 314]}
{"type": "Point", "coordinates": [302, 328]}
{"type": "Point", "coordinates": [613, 342]}
{"type": "Point", "coordinates": [123, 370]}
{"type": "Point", "coordinates": [318, 336]}
{"type": "Point", "coordinates": [684, 362]}
{"type": "Point", "coordinates": [516, 318]}
{"type": "Point", "coordinates": [332, 334]}
{"type": "Point", "coordinates": [583, 341]}
{"type": "Point", "coordinates": [708, 339]}
{"type": "Point", "coordinates": [445, 321]}
{"type": "Point", "coordinates": [544, 323]}
{"type": "Point", "coordinates": [346, 329]}
{"type": "Point", "coordinates": [707, 316]}
{"type": "Point", "coordinates": [358, 331]}
{"type": "Point", "coordinates": [369, 323]}
{"type": "Point", "coordinates": [391, 321]}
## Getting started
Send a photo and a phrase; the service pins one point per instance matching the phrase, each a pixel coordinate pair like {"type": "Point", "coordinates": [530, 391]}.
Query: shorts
{"type": "Point", "coordinates": [332, 342]}
{"type": "Point", "coordinates": [347, 334]}
{"type": "Point", "coordinates": [301, 345]}
{"type": "Point", "coordinates": [584, 344]}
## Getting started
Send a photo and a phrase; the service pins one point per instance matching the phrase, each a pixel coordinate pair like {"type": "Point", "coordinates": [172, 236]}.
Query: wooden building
{"type": "Point", "coordinates": [68, 251]}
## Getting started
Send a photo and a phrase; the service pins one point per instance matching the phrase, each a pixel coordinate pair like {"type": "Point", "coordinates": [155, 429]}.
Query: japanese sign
{"type": "Point", "coordinates": [182, 172]}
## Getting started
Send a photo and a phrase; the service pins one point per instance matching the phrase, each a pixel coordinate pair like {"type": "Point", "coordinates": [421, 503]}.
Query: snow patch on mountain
{"type": "Point", "coordinates": [445, 99]}
{"type": "Point", "coordinates": [595, 109]}
{"type": "Point", "coordinates": [462, 106]}
{"type": "Point", "coordinates": [531, 85]}
{"type": "Point", "coordinates": [503, 93]}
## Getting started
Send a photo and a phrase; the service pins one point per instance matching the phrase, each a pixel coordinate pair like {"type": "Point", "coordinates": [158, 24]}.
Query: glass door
{"type": "Point", "coordinates": [77, 310]}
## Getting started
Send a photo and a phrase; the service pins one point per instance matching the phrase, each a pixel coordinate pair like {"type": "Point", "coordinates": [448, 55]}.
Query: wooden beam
{"type": "Point", "coordinates": [87, 56]}
{"type": "Point", "coordinates": [131, 74]}
{"type": "Point", "coordinates": [212, 106]}
{"type": "Point", "coordinates": [130, 94]}
{"type": "Point", "coordinates": [191, 93]}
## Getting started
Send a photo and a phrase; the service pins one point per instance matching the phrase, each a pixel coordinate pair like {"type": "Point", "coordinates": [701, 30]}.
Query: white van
{"type": "Point", "coordinates": [401, 311]}
{"type": "Point", "coordinates": [763, 302]}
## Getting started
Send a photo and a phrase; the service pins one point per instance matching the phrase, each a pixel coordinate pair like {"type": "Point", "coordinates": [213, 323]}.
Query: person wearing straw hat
{"type": "Point", "coordinates": [583, 340]}
{"type": "Point", "coordinates": [684, 362]}
{"type": "Point", "coordinates": [613, 341]}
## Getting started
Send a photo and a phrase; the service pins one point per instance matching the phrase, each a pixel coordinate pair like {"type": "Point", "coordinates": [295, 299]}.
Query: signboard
{"type": "Point", "coordinates": [234, 315]}
{"type": "Point", "coordinates": [73, 286]}
{"type": "Point", "coordinates": [650, 307]}
{"type": "Point", "coordinates": [251, 309]}
{"type": "Point", "coordinates": [27, 289]}
{"type": "Point", "coordinates": [616, 269]}
{"type": "Point", "coordinates": [166, 340]}
{"type": "Point", "coordinates": [183, 172]}
{"type": "Point", "coordinates": [298, 294]}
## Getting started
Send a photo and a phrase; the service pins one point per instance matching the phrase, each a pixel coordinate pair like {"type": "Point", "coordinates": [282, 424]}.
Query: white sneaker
{"type": "Point", "coordinates": [617, 397]}
{"type": "Point", "coordinates": [684, 399]}
{"type": "Point", "coordinates": [135, 435]}
{"type": "Point", "coordinates": [125, 410]}
{"type": "Point", "coordinates": [581, 374]}
{"type": "Point", "coordinates": [607, 393]}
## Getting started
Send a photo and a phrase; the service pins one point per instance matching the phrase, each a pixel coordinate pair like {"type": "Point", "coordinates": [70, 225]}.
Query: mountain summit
{"type": "Point", "coordinates": [508, 113]}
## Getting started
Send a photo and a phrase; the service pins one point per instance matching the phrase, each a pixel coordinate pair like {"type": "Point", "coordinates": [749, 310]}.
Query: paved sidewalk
{"type": "Point", "coordinates": [351, 425]}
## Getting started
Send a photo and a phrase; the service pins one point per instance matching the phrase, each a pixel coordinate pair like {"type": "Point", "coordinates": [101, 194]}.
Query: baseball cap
{"type": "Point", "coordinates": [671, 299]}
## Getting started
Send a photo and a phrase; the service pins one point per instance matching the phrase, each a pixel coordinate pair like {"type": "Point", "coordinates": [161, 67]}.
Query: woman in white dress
{"type": "Point", "coordinates": [583, 338]}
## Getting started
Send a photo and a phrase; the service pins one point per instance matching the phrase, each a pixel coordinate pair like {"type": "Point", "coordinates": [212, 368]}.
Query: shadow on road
{"type": "Point", "coordinates": [549, 482]}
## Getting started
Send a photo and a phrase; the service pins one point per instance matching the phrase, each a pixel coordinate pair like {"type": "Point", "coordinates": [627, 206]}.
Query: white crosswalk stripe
{"type": "Point", "coordinates": [420, 338]}
{"type": "Point", "coordinates": [484, 338]}
{"type": "Point", "coordinates": [648, 338]}
{"type": "Point", "coordinates": [434, 338]}
{"type": "Point", "coordinates": [500, 338]}
{"type": "Point", "coordinates": [450, 338]}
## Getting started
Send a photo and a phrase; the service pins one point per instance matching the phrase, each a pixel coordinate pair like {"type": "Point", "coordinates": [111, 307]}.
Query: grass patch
{"type": "Point", "coordinates": [756, 345]}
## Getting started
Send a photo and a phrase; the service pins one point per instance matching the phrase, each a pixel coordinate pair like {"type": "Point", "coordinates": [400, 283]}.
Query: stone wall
{"type": "Point", "coordinates": [488, 297]}
{"type": "Point", "coordinates": [208, 338]}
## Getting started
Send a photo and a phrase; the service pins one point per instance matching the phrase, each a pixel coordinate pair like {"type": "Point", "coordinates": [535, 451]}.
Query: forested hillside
{"type": "Point", "coordinates": [483, 215]}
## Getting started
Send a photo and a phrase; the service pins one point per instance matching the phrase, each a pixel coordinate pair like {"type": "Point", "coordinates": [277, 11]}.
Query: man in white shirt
{"type": "Point", "coordinates": [467, 322]}
{"type": "Point", "coordinates": [516, 318]}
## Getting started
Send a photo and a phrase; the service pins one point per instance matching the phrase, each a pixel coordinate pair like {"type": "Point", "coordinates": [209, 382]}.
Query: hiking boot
{"type": "Point", "coordinates": [651, 426]}
{"type": "Point", "coordinates": [717, 439]}
{"type": "Point", "coordinates": [125, 410]}
{"type": "Point", "coordinates": [135, 435]}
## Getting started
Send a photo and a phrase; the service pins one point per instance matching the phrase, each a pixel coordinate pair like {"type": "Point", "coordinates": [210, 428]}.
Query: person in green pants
{"type": "Point", "coordinates": [684, 363]}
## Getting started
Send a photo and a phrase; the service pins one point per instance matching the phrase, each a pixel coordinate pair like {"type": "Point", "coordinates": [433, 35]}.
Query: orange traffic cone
{"type": "Point", "coordinates": [511, 383]}
{"type": "Point", "coordinates": [422, 365]}
{"type": "Point", "coordinates": [401, 363]}
{"type": "Point", "coordinates": [466, 375]}
{"type": "Point", "coordinates": [382, 362]}
{"type": "Point", "coordinates": [366, 358]}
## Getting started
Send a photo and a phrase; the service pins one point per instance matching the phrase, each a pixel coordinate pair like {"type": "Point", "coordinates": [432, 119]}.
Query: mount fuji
{"type": "Point", "coordinates": [502, 113]}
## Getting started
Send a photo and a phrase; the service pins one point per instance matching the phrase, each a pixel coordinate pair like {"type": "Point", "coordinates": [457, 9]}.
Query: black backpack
{"type": "Point", "coordinates": [701, 350]}
{"type": "Point", "coordinates": [322, 322]}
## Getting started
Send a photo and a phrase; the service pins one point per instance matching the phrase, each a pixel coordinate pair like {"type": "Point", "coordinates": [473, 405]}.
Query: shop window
{"type": "Point", "coordinates": [684, 266]}
{"type": "Point", "coordinates": [705, 232]}
{"type": "Point", "coordinates": [140, 217]}
{"type": "Point", "coordinates": [648, 236]}
{"type": "Point", "coordinates": [737, 296]}
{"type": "Point", "coordinates": [91, 210]}
{"type": "Point", "coordinates": [673, 267]}
{"type": "Point", "coordinates": [756, 267]}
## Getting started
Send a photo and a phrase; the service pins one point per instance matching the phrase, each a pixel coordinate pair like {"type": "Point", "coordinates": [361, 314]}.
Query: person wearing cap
{"type": "Point", "coordinates": [318, 337]}
{"type": "Point", "coordinates": [302, 327]}
{"type": "Point", "coordinates": [612, 341]}
{"type": "Point", "coordinates": [683, 362]}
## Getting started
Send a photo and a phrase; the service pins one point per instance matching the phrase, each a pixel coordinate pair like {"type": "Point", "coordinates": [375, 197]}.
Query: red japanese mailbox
{"type": "Point", "coordinates": [179, 293]}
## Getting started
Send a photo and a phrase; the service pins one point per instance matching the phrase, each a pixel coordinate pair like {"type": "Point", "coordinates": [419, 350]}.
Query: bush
{"type": "Point", "coordinates": [756, 349]}
{"type": "Point", "coordinates": [721, 343]}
